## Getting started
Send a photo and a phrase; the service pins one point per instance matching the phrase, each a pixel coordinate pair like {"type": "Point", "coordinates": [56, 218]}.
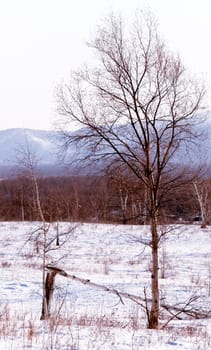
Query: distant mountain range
{"type": "Point", "coordinates": [45, 146]}
{"type": "Point", "coordinates": [14, 144]}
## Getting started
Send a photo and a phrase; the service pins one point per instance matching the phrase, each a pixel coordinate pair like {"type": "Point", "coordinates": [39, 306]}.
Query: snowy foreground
{"type": "Point", "coordinates": [86, 318]}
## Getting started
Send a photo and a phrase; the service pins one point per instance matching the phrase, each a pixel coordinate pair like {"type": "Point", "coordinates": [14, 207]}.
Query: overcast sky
{"type": "Point", "coordinates": [41, 41]}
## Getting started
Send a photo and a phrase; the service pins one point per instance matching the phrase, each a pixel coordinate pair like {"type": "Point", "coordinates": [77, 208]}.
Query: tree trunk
{"type": "Point", "coordinates": [202, 199]}
{"type": "Point", "coordinates": [155, 307]}
{"type": "Point", "coordinates": [49, 288]}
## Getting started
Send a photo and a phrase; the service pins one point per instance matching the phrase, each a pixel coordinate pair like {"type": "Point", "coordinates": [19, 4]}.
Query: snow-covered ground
{"type": "Point", "coordinates": [85, 318]}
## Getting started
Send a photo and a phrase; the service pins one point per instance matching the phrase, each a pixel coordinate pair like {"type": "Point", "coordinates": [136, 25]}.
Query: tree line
{"type": "Point", "coordinates": [107, 199]}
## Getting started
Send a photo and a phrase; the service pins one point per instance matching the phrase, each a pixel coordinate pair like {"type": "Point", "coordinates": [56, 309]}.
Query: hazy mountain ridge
{"type": "Point", "coordinates": [45, 145]}
{"type": "Point", "coordinates": [42, 144]}
{"type": "Point", "coordinates": [13, 142]}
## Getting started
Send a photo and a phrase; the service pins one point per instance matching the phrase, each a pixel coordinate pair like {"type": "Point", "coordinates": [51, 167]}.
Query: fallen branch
{"type": "Point", "coordinates": [137, 299]}
{"type": "Point", "coordinates": [186, 308]}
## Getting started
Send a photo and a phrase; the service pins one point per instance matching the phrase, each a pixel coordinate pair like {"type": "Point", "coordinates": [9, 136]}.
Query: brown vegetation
{"type": "Point", "coordinates": [106, 199]}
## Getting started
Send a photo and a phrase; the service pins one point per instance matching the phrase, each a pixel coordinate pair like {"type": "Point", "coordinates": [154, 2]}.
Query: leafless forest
{"type": "Point", "coordinates": [108, 199]}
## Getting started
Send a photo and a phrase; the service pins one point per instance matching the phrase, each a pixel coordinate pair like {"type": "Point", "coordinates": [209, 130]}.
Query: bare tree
{"type": "Point", "coordinates": [202, 190]}
{"type": "Point", "coordinates": [138, 107]}
{"type": "Point", "coordinates": [128, 196]}
{"type": "Point", "coordinates": [44, 240]}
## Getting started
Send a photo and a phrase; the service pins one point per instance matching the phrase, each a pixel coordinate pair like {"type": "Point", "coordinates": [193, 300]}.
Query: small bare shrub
{"type": "Point", "coordinates": [6, 264]}
{"type": "Point", "coordinates": [106, 267]}
{"type": "Point", "coordinates": [31, 332]}
{"type": "Point", "coordinates": [165, 266]}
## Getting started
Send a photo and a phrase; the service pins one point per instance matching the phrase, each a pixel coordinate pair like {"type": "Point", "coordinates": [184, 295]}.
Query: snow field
{"type": "Point", "coordinates": [86, 318]}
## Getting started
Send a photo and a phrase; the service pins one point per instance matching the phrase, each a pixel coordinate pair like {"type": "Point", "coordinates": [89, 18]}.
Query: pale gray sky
{"type": "Point", "coordinates": [41, 41]}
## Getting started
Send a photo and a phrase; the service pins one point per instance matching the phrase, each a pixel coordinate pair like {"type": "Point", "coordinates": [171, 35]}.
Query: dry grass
{"type": "Point", "coordinates": [100, 330]}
